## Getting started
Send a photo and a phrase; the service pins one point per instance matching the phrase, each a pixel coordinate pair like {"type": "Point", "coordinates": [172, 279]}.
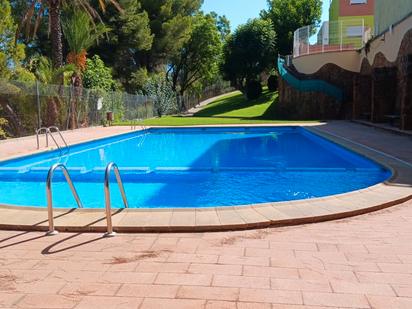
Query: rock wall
{"type": "Point", "coordinates": [391, 87]}
{"type": "Point", "coordinates": [294, 104]}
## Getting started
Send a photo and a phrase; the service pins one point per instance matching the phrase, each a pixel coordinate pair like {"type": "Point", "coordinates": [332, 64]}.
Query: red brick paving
{"type": "Point", "coordinates": [362, 262]}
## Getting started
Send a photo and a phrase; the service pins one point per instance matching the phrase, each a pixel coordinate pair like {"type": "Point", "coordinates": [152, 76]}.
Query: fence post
{"type": "Point", "coordinates": [341, 35]}
{"type": "Point", "coordinates": [323, 36]}
{"type": "Point", "coordinates": [38, 105]}
{"type": "Point", "coordinates": [69, 109]}
{"type": "Point", "coordinates": [363, 33]}
{"type": "Point", "coordinates": [308, 39]}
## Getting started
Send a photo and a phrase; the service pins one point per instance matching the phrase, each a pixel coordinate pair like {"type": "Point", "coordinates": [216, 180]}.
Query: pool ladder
{"type": "Point", "coordinates": [111, 166]}
{"type": "Point", "coordinates": [50, 174]}
{"type": "Point", "coordinates": [135, 124]}
{"type": "Point", "coordinates": [49, 131]}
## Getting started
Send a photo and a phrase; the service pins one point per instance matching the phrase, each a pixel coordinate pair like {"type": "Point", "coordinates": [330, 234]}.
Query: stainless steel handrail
{"type": "Point", "coordinates": [49, 131]}
{"type": "Point", "coordinates": [109, 167]}
{"type": "Point", "coordinates": [50, 174]}
{"type": "Point", "coordinates": [46, 131]}
{"type": "Point", "coordinates": [134, 124]}
{"type": "Point", "coordinates": [56, 129]}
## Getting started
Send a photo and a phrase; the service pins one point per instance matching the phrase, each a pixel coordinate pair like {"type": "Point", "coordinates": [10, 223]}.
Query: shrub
{"type": "Point", "coordinates": [98, 76]}
{"type": "Point", "coordinates": [3, 122]}
{"type": "Point", "coordinates": [273, 83]}
{"type": "Point", "coordinates": [253, 90]}
{"type": "Point", "coordinates": [159, 89]}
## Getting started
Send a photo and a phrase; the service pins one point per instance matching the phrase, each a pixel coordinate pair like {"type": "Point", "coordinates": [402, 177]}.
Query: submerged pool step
{"type": "Point", "coordinates": [147, 174]}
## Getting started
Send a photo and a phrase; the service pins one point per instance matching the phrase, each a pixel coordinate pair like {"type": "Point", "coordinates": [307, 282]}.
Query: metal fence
{"type": "Point", "coordinates": [27, 106]}
{"type": "Point", "coordinates": [189, 101]}
{"type": "Point", "coordinates": [342, 35]}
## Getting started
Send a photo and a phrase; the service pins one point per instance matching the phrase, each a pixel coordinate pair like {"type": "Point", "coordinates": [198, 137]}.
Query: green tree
{"type": "Point", "coordinates": [47, 74]}
{"type": "Point", "coordinates": [80, 35]}
{"type": "Point", "coordinates": [130, 35]}
{"type": "Point", "coordinates": [223, 25]}
{"type": "Point", "coordinates": [170, 24]}
{"type": "Point", "coordinates": [11, 56]}
{"type": "Point", "coordinates": [98, 76]}
{"type": "Point", "coordinates": [289, 15]}
{"type": "Point", "coordinates": [248, 52]}
{"type": "Point", "coordinates": [11, 53]}
{"type": "Point", "coordinates": [37, 9]}
{"type": "Point", "coordinates": [199, 58]}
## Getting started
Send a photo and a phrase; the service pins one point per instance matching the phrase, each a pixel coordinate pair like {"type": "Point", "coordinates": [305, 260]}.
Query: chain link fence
{"type": "Point", "coordinates": [27, 106]}
{"type": "Point", "coordinates": [189, 101]}
{"type": "Point", "coordinates": [341, 35]}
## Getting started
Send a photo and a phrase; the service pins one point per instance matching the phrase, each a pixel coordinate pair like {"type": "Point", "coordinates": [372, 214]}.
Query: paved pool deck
{"type": "Point", "coordinates": [357, 262]}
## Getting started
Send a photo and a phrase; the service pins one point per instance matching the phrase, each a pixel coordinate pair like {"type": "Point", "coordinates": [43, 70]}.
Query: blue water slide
{"type": "Point", "coordinates": [309, 85]}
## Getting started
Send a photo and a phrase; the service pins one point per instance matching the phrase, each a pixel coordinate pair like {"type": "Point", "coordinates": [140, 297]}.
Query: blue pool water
{"type": "Point", "coordinates": [194, 167]}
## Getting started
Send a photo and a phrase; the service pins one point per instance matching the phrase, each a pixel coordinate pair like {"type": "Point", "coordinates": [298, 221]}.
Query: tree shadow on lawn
{"type": "Point", "coordinates": [217, 109]}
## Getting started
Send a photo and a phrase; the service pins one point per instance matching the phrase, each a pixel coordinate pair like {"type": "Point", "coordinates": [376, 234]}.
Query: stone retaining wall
{"type": "Point", "coordinates": [378, 90]}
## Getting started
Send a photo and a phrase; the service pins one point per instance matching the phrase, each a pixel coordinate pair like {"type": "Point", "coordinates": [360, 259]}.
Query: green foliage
{"type": "Point", "coordinates": [233, 108]}
{"type": "Point", "coordinates": [159, 89]}
{"type": "Point", "coordinates": [139, 78]}
{"type": "Point", "coordinates": [80, 32]}
{"type": "Point", "coordinates": [11, 54]}
{"type": "Point", "coordinates": [198, 60]}
{"type": "Point", "coordinates": [170, 24]}
{"type": "Point", "coordinates": [289, 15]}
{"type": "Point", "coordinates": [223, 25]}
{"type": "Point", "coordinates": [130, 36]}
{"type": "Point", "coordinates": [135, 25]}
{"type": "Point", "coordinates": [98, 76]}
{"type": "Point", "coordinates": [272, 82]}
{"type": "Point", "coordinates": [248, 52]}
{"type": "Point", "coordinates": [3, 122]}
{"type": "Point", "coordinates": [45, 72]}
{"type": "Point", "coordinates": [253, 89]}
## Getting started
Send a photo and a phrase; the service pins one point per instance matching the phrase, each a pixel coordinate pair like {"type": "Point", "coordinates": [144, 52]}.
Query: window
{"type": "Point", "coordinates": [358, 1]}
{"type": "Point", "coordinates": [354, 31]}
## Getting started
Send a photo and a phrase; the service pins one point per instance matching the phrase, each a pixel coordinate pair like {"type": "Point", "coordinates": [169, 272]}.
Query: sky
{"type": "Point", "coordinates": [239, 11]}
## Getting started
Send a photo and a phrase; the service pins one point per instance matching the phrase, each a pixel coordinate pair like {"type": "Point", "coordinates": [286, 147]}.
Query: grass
{"type": "Point", "coordinates": [233, 108]}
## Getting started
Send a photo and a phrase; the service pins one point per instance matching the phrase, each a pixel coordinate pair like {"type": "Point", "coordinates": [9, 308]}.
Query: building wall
{"type": "Point", "coordinates": [334, 10]}
{"type": "Point", "coordinates": [343, 15]}
{"type": "Point", "coordinates": [348, 9]}
{"type": "Point", "coordinates": [389, 12]}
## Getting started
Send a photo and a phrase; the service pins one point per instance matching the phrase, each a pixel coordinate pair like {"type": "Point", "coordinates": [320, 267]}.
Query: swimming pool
{"type": "Point", "coordinates": [194, 167]}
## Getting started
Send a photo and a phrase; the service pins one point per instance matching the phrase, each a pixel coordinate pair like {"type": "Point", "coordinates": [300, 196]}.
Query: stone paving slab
{"type": "Point", "coordinates": [395, 191]}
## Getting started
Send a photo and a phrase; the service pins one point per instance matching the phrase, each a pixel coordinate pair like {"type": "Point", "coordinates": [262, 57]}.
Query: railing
{"type": "Point", "coordinates": [56, 129]}
{"type": "Point", "coordinates": [50, 174]}
{"type": "Point", "coordinates": [46, 132]}
{"type": "Point", "coordinates": [331, 36]}
{"type": "Point", "coordinates": [49, 131]}
{"type": "Point", "coordinates": [110, 166]}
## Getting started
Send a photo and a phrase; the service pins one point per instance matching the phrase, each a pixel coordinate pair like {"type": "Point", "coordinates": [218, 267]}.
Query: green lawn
{"type": "Point", "coordinates": [230, 109]}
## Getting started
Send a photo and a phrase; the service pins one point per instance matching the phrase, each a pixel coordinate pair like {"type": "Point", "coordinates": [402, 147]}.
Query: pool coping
{"type": "Point", "coordinates": [396, 190]}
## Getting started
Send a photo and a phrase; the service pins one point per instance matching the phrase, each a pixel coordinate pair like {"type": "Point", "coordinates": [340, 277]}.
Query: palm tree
{"type": "Point", "coordinates": [52, 9]}
{"type": "Point", "coordinates": [47, 74]}
{"type": "Point", "coordinates": [80, 34]}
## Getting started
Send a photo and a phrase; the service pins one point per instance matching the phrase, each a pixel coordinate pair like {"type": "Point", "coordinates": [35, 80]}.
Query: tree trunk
{"type": "Point", "coordinates": [77, 84]}
{"type": "Point", "coordinates": [52, 112]}
{"type": "Point", "coordinates": [56, 33]}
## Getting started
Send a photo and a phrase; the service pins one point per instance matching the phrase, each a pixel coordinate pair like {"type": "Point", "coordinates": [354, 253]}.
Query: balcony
{"type": "Point", "coordinates": [331, 36]}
